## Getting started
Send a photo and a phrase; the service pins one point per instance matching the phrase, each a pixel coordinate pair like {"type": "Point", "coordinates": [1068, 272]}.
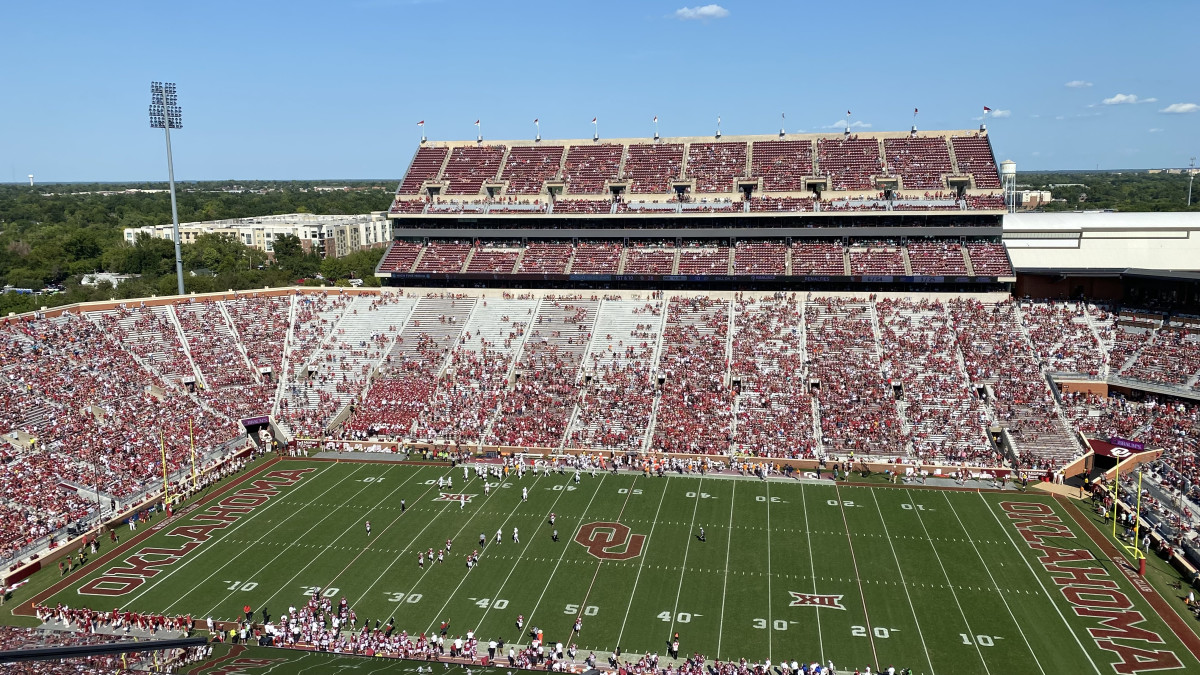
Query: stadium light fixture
{"type": "Point", "coordinates": [1191, 177]}
{"type": "Point", "coordinates": [166, 114]}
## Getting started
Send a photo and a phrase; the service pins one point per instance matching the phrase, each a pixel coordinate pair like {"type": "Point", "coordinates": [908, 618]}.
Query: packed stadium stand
{"type": "Point", "coordinates": [794, 298]}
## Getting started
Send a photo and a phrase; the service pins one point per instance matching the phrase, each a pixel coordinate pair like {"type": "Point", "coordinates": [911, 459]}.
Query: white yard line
{"type": "Point", "coordinates": [638, 577]}
{"type": "Point", "coordinates": [344, 533]}
{"type": "Point", "coordinates": [904, 584]}
{"type": "Point", "coordinates": [397, 557]}
{"type": "Point", "coordinates": [287, 549]}
{"type": "Point", "coordinates": [225, 533]}
{"type": "Point", "coordinates": [582, 515]}
{"type": "Point", "coordinates": [503, 525]}
{"type": "Point", "coordinates": [1037, 578]}
{"type": "Point", "coordinates": [770, 618]}
{"type": "Point", "coordinates": [995, 585]}
{"type": "Point", "coordinates": [812, 566]}
{"type": "Point", "coordinates": [725, 584]}
{"type": "Point", "coordinates": [384, 530]}
{"type": "Point", "coordinates": [529, 542]}
{"type": "Point", "coordinates": [858, 577]}
{"type": "Point", "coordinates": [687, 547]}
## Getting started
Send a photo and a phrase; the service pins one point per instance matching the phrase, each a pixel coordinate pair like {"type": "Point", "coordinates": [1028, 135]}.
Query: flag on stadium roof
{"type": "Point", "coordinates": [655, 118]}
{"type": "Point", "coordinates": [476, 122]}
{"type": "Point", "coordinates": [421, 123]}
{"type": "Point", "coordinates": [535, 120]}
{"type": "Point", "coordinates": [986, 109]}
{"type": "Point", "coordinates": [593, 120]}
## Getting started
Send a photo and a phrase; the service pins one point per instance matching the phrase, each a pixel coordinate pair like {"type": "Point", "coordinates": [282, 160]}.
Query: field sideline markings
{"type": "Point", "coordinates": [504, 525]}
{"type": "Point", "coordinates": [417, 536]}
{"type": "Point", "coordinates": [854, 559]}
{"type": "Point", "coordinates": [313, 559]}
{"type": "Point", "coordinates": [812, 565]}
{"type": "Point", "coordinates": [1036, 577]}
{"type": "Point", "coordinates": [225, 535]}
{"type": "Point", "coordinates": [517, 562]}
{"type": "Point", "coordinates": [582, 515]}
{"type": "Point", "coordinates": [988, 569]}
{"type": "Point", "coordinates": [687, 547]}
{"type": "Point", "coordinates": [642, 563]}
{"type": "Point", "coordinates": [937, 556]}
{"type": "Point", "coordinates": [725, 584]}
{"type": "Point", "coordinates": [281, 553]}
{"type": "Point", "coordinates": [600, 563]}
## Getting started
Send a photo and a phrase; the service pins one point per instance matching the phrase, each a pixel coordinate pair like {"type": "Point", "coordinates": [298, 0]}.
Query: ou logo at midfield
{"type": "Point", "coordinates": [610, 541]}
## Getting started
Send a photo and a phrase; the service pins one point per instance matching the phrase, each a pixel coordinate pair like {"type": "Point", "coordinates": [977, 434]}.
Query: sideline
{"type": "Point", "coordinates": [26, 608]}
{"type": "Point", "coordinates": [1164, 610]}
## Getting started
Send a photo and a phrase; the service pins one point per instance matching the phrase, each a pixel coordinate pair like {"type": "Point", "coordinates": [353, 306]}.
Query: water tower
{"type": "Point", "coordinates": [1008, 180]}
{"type": "Point", "coordinates": [30, 180]}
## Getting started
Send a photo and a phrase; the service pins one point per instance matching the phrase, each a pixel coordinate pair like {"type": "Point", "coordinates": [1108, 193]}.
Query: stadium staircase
{"type": "Point", "coordinates": [237, 339]}
{"type": "Point", "coordinates": [675, 262]}
{"type": "Point", "coordinates": [907, 262]}
{"type": "Point", "coordinates": [467, 261]}
{"type": "Point", "coordinates": [967, 261]}
{"type": "Point", "coordinates": [417, 260]}
{"type": "Point", "coordinates": [901, 406]}
{"type": "Point", "coordinates": [285, 361]}
{"type": "Point", "coordinates": [622, 260]}
{"type": "Point", "coordinates": [169, 311]}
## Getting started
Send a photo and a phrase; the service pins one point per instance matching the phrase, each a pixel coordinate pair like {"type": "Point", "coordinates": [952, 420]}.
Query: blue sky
{"type": "Point", "coordinates": [309, 89]}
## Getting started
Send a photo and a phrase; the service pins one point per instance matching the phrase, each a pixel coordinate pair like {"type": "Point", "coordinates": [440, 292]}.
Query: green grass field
{"type": "Point", "coordinates": [939, 581]}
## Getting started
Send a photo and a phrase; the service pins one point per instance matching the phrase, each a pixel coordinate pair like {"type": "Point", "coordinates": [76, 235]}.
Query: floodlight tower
{"type": "Point", "coordinates": [1191, 177]}
{"type": "Point", "coordinates": [166, 114]}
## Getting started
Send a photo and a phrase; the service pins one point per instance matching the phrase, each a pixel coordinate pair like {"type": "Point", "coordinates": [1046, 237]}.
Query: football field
{"type": "Point", "coordinates": [936, 580]}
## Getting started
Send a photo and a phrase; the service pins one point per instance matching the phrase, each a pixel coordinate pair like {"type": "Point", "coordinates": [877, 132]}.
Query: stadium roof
{"type": "Point", "coordinates": [1103, 242]}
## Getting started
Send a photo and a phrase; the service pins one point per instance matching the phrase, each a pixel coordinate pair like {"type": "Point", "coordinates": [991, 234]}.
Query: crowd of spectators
{"type": "Point", "coordinates": [695, 410]}
{"type": "Point", "coordinates": [857, 406]}
{"type": "Point", "coordinates": [774, 412]}
{"type": "Point", "coordinates": [536, 409]}
{"type": "Point", "coordinates": [617, 399]}
{"type": "Point", "coordinates": [946, 418]}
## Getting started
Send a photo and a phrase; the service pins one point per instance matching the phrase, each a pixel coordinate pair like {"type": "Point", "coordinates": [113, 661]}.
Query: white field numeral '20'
{"type": "Point", "coordinates": [879, 631]}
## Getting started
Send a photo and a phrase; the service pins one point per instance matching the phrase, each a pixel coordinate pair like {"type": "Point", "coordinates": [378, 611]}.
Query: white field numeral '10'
{"type": "Point", "coordinates": [240, 585]}
{"type": "Point", "coordinates": [981, 640]}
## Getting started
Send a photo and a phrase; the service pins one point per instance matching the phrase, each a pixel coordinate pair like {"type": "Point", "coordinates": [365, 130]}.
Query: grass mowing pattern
{"type": "Point", "coordinates": [944, 582]}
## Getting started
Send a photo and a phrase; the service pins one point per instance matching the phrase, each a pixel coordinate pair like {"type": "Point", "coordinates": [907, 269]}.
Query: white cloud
{"type": "Point", "coordinates": [1121, 99]}
{"type": "Point", "coordinates": [1155, 130]}
{"type": "Point", "coordinates": [841, 124]}
{"type": "Point", "coordinates": [1001, 113]}
{"type": "Point", "coordinates": [702, 12]}
{"type": "Point", "coordinates": [1078, 84]}
{"type": "Point", "coordinates": [1181, 108]}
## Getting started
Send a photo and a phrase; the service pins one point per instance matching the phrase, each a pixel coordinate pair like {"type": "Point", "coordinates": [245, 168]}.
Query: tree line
{"type": "Point", "coordinates": [52, 235]}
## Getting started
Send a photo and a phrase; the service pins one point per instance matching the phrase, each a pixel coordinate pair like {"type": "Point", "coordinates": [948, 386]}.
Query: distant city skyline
{"type": "Point", "coordinates": [317, 90]}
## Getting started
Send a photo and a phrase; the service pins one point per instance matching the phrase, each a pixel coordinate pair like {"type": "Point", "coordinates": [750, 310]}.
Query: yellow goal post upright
{"type": "Point", "coordinates": [1130, 549]}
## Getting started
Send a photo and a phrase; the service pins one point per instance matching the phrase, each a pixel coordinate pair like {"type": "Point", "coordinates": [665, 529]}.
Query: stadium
{"type": "Point", "coordinates": [613, 360]}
